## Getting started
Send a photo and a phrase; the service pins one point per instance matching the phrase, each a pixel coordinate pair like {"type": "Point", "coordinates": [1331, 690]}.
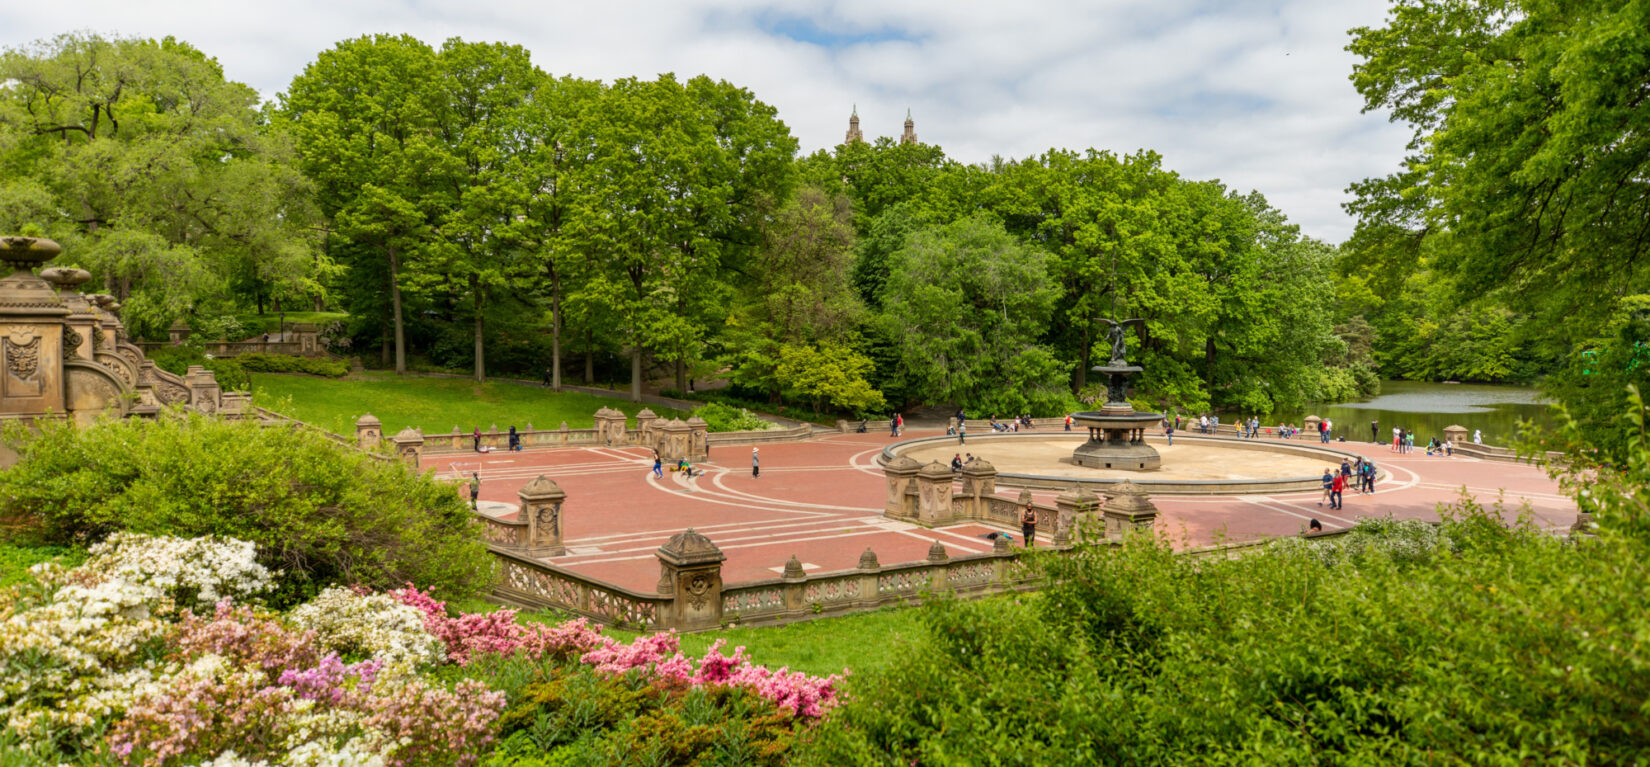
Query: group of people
{"type": "Point", "coordinates": [514, 442]}
{"type": "Point", "coordinates": [1359, 475]}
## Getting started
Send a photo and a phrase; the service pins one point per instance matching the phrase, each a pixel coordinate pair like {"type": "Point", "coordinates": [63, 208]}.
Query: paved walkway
{"type": "Point", "coordinates": [822, 501]}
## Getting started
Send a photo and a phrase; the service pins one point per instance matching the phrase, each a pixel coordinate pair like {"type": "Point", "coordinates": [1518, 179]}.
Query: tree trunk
{"type": "Point", "coordinates": [1082, 376]}
{"type": "Point", "coordinates": [681, 377]}
{"type": "Point", "coordinates": [395, 309]}
{"type": "Point", "coordinates": [589, 357]}
{"type": "Point", "coordinates": [636, 373]}
{"type": "Point", "coordinates": [481, 360]}
{"type": "Point", "coordinates": [555, 331]}
{"type": "Point", "coordinates": [1209, 366]}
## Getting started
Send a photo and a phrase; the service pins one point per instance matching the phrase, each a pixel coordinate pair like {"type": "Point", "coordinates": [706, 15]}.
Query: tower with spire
{"type": "Point", "coordinates": [910, 134]}
{"type": "Point", "coordinates": [854, 136]}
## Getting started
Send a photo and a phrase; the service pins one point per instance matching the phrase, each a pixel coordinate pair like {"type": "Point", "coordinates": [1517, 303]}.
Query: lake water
{"type": "Point", "coordinates": [1428, 408]}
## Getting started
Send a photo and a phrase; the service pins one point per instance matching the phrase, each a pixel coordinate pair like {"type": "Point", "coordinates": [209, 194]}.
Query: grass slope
{"type": "Point", "coordinates": [434, 404]}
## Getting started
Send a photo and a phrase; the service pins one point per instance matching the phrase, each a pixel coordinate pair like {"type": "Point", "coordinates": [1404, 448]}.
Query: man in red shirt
{"type": "Point", "coordinates": [1336, 487]}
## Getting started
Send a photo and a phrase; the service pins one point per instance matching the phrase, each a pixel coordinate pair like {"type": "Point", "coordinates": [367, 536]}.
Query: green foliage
{"type": "Point", "coordinates": [577, 717]}
{"type": "Point", "coordinates": [971, 303]}
{"type": "Point", "coordinates": [156, 174]}
{"type": "Point", "coordinates": [1472, 643]}
{"type": "Point", "coordinates": [719, 417]}
{"type": "Point", "coordinates": [828, 374]}
{"type": "Point", "coordinates": [260, 362]}
{"type": "Point", "coordinates": [319, 513]}
{"type": "Point", "coordinates": [16, 560]}
{"type": "Point", "coordinates": [230, 374]}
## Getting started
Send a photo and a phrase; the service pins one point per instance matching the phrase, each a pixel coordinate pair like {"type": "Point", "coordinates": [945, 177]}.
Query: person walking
{"type": "Point", "coordinates": [658, 465]}
{"type": "Point", "coordinates": [1337, 486]}
{"type": "Point", "coordinates": [893, 425]}
{"type": "Point", "coordinates": [1375, 432]}
{"type": "Point", "coordinates": [515, 440]}
{"type": "Point", "coordinates": [899, 424]}
{"type": "Point", "coordinates": [1477, 437]}
{"type": "Point", "coordinates": [756, 464]}
{"type": "Point", "coordinates": [1203, 423]}
{"type": "Point", "coordinates": [1397, 434]}
{"type": "Point", "coordinates": [1328, 481]}
{"type": "Point", "coordinates": [1028, 525]}
{"type": "Point", "coordinates": [1068, 422]}
{"type": "Point", "coordinates": [1368, 477]}
{"type": "Point", "coordinates": [1168, 431]}
{"type": "Point", "coordinates": [477, 436]}
{"type": "Point", "coordinates": [962, 432]}
{"type": "Point", "coordinates": [475, 489]}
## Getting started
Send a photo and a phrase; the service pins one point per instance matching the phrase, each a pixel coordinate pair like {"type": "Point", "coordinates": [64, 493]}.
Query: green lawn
{"type": "Point", "coordinates": [434, 404]}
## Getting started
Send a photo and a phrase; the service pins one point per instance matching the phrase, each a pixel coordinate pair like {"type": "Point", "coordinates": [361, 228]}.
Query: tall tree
{"type": "Point", "coordinates": [362, 115]}
{"type": "Point", "coordinates": [153, 171]}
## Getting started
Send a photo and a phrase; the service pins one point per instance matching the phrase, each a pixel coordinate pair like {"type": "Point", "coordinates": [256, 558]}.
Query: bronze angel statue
{"type": "Point", "coordinates": [1116, 336]}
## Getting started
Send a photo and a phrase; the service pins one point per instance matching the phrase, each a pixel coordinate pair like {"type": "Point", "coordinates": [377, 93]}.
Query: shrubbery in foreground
{"type": "Point", "coordinates": [153, 652]}
{"type": "Point", "coordinates": [318, 513]}
{"type": "Point", "coordinates": [1401, 643]}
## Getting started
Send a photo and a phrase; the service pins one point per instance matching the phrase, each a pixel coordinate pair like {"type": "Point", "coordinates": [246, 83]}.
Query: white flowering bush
{"type": "Point", "coordinates": [369, 625]}
{"type": "Point", "coordinates": [94, 644]}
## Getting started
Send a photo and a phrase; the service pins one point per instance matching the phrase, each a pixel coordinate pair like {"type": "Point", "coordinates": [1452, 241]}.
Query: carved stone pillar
{"type": "Point", "coordinates": [698, 439]}
{"type": "Point", "coordinates": [1455, 433]}
{"type": "Point", "coordinates": [934, 495]}
{"type": "Point", "coordinates": [645, 421]}
{"type": "Point", "coordinates": [690, 570]}
{"type": "Point", "coordinates": [541, 502]}
{"type": "Point", "coordinates": [672, 436]}
{"type": "Point", "coordinates": [1075, 514]}
{"type": "Point", "coordinates": [82, 319]}
{"type": "Point", "coordinates": [204, 394]}
{"type": "Point", "coordinates": [609, 426]}
{"type": "Point", "coordinates": [409, 446]}
{"type": "Point", "coordinates": [868, 567]}
{"type": "Point", "coordinates": [32, 322]}
{"type": "Point", "coordinates": [308, 338]}
{"type": "Point", "coordinates": [369, 431]}
{"type": "Point", "coordinates": [1128, 510]}
{"type": "Point", "coordinates": [979, 483]}
{"type": "Point", "coordinates": [901, 474]}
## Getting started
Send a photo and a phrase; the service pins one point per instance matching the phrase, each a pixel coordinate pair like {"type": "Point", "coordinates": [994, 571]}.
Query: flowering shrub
{"type": "Point", "coordinates": [368, 625]}
{"type": "Point", "coordinates": [472, 634]}
{"type": "Point", "coordinates": [796, 693]}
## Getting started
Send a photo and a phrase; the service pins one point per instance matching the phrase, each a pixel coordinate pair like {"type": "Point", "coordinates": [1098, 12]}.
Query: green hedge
{"type": "Point", "coordinates": [720, 417]}
{"type": "Point", "coordinates": [319, 513]}
{"type": "Point", "coordinates": [259, 362]}
{"type": "Point", "coordinates": [1473, 643]}
{"type": "Point", "coordinates": [231, 375]}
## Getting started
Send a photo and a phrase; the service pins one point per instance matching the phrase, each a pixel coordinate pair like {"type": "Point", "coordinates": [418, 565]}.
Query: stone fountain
{"type": "Point", "coordinates": [1117, 431]}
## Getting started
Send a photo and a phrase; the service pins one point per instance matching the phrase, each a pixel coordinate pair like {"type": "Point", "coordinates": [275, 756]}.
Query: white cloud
{"type": "Point", "coordinates": [1255, 94]}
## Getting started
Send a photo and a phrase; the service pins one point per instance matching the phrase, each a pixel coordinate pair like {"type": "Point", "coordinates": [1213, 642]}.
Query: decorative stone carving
{"type": "Point", "coordinates": [690, 567]}
{"type": "Point", "coordinates": [868, 560]}
{"type": "Point", "coordinates": [22, 356]}
{"type": "Point", "coordinates": [936, 553]}
{"type": "Point", "coordinates": [1127, 508]}
{"type": "Point", "coordinates": [409, 446]}
{"type": "Point", "coordinates": [368, 431]}
{"type": "Point", "coordinates": [541, 503]}
{"type": "Point", "coordinates": [793, 569]}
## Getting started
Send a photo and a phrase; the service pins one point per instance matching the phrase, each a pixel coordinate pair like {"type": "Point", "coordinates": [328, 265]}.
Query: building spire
{"type": "Point", "coordinates": [854, 136]}
{"type": "Point", "coordinates": [910, 135]}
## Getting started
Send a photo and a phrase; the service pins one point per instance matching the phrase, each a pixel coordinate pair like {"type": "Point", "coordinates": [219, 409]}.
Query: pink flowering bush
{"type": "Point", "coordinates": [795, 692]}
{"type": "Point", "coordinates": [471, 634]}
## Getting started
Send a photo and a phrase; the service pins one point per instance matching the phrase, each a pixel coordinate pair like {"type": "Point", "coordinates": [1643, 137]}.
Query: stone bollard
{"type": "Point", "coordinates": [934, 495]}
{"type": "Point", "coordinates": [698, 439]}
{"type": "Point", "coordinates": [541, 502]}
{"type": "Point", "coordinates": [938, 559]}
{"type": "Point", "coordinates": [869, 567]}
{"type": "Point", "coordinates": [1309, 427]}
{"type": "Point", "coordinates": [409, 446]}
{"type": "Point", "coordinates": [1074, 513]}
{"type": "Point", "coordinates": [901, 476]}
{"type": "Point", "coordinates": [1127, 510]}
{"type": "Point", "coordinates": [690, 572]}
{"type": "Point", "coordinates": [979, 483]}
{"type": "Point", "coordinates": [204, 393]}
{"type": "Point", "coordinates": [1455, 433]}
{"type": "Point", "coordinates": [368, 431]}
{"type": "Point", "coordinates": [609, 426]}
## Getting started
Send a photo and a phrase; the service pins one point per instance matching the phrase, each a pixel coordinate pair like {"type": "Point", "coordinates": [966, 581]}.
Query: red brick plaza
{"type": "Point", "coordinates": [822, 501]}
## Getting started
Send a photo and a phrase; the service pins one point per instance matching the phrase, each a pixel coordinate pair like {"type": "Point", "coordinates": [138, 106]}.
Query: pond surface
{"type": "Point", "coordinates": [1428, 408]}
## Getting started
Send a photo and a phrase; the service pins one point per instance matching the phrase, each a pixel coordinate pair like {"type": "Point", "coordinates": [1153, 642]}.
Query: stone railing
{"type": "Point", "coordinates": [533, 583]}
{"type": "Point", "coordinates": [271, 417]}
{"type": "Point", "coordinates": [800, 431]}
{"type": "Point", "coordinates": [779, 600]}
{"type": "Point", "coordinates": [236, 348]}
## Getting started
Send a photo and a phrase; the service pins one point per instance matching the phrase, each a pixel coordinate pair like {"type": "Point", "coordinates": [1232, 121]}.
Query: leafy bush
{"type": "Point", "coordinates": [720, 417]}
{"type": "Point", "coordinates": [319, 514]}
{"type": "Point", "coordinates": [737, 400]}
{"type": "Point", "coordinates": [1474, 643]}
{"type": "Point", "coordinates": [259, 362]}
{"type": "Point", "coordinates": [231, 375]}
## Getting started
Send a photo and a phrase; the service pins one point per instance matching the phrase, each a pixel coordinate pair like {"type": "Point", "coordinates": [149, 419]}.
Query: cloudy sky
{"type": "Point", "coordinates": [1254, 93]}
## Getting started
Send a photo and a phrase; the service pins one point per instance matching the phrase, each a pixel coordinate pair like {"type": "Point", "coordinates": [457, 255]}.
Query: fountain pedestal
{"type": "Point", "coordinates": [1117, 431]}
